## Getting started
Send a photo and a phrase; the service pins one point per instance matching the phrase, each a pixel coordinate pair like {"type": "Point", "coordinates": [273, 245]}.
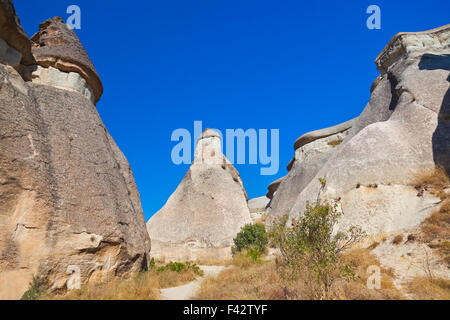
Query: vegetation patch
{"type": "Point", "coordinates": [311, 250]}
{"type": "Point", "coordinates": [142, 286]}
{"type": "Point", "coordinates": [434, 180]}
{"type": "Point", "coordinates": [397, 239]}
{"type": "Point", "coordinates": [424, 288]}
{"type": "Point", "coordinates": [335, 143]}
{"type": "Point", "coordinates": [37, 289]}
{"type": "Point", "coordinates": [435, 230]}
{"type": "Point", "coordinates": [250, 280]}
{"type": "Point", "coordinates": [253, 239]}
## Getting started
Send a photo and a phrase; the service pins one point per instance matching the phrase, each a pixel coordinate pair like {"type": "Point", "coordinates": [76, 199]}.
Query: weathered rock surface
{"type": "Point", "coordinates": [404, 129]}
{"type": "Point", "coordinates": [312, 150]}
{"type": "Point", "coordinates": [258, 207]}
{"type": "Point", "coordinates": [12, 33]}
{"type": "Point", "coordinates": [258, 204]}
{"type": "Point", "coordinates": [55, 45]}
{"type": "Point", "coordinates": [68, 200]}
{"type": "Point", "coordinates": [206, 211]}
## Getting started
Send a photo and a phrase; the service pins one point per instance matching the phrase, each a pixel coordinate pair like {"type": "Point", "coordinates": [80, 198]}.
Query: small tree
{"type": "Point", "coordinates": [310, 247]}
{"type": "Point", "coordinates": [251, 236]}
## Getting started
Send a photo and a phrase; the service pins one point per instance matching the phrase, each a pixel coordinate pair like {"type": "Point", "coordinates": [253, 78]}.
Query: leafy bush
{"type": "Point", "coordinates": [254, 253]}
{"type": "Point", "coordinates": [37, 288]}
{"type": "Point", "coordinates": [179, 267]}
{"type": "Point", "coordinates": [251, 237]}
{"type": "Point", "coordinates": [310, 247]}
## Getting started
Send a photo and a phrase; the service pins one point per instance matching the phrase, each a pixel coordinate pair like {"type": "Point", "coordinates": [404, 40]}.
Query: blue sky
{"type": "Point", "coordinates": [293, 65]}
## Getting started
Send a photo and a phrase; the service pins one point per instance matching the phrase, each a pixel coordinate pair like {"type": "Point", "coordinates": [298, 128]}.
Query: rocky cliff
{"type": "Point", "coordinates": [403, 130]}
{"type": "Point", "coordinates": [68, 200]}
{"type": "Point", "coordinates": [206, 211]}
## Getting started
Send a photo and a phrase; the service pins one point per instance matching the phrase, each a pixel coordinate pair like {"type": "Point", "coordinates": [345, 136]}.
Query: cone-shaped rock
{"type": "Point", "coordinates": [69, 205]}
{"type": "Point", "coordinates": [206, 211]}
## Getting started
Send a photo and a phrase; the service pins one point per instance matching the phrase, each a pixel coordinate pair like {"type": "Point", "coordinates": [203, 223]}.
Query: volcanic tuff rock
{"type": "Point", "coordinates": [205, 212]}
{"type": "Point", "coordinates": [57, 46]}
{"type": "Point", "coordinates": [403, 130]}
{"type": "Point", "coordinates": [257, 207]}
{"type": "Point", "coordinates": [311, 152]}
{"type": "Point", "coordinates": [13, 39]}
{"type": "Point", "coordinates": [68, 200]}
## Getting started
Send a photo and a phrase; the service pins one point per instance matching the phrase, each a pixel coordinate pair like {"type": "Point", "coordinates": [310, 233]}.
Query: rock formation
{"type": "Point", "coordinates": [370, 162]}
{"type": "Point", "coordinates": [57, 48]}
{"type": "Point", "coordinates": [68, 200]}
{"type": "Point", "coordinates": [258, 207]}
{"type": "Point", "coordinates": [311, 152]}
{"type": "Point", "coordinates": [206, 211]}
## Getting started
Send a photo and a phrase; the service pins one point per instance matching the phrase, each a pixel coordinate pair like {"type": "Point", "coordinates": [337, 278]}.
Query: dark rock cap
{"type": "Point", "coordinates": [56, 45]}
{"type": "Point", "coordinates": [12, 32]}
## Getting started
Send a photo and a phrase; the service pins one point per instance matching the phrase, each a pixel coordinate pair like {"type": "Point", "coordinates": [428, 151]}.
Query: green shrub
{"type": "Point", "coordinates": [152, 264]}
{"type": "Point", "coordinates": [254, 253]}
{"type": "Point", "coordinates": [37, 288]}
{"type": "Point", "coordinates": [311, 249]}
{"type": "Point", "coordinates": [179, 267]}
{"type": "Point", "coordinates": [251, 236]}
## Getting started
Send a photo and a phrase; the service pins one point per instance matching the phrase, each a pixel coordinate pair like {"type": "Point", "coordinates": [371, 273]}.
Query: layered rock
{"type": "Point", "coordinates": [312, 150]}
{"type": "Point", "coordinates": [206, 211]}
{"type": "Point", "coordinates": [57, 46]}
{"type": "Point", "coordinates": [68, 200]}
{"type": "Point", "coordinates": [403, 130]}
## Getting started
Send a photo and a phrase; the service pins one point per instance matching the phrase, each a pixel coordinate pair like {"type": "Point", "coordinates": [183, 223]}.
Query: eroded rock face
{"type": "Point", "coordinates": [403, 130]}
{"type": "Point", "coordinates": [68, 200]}
{"type": "Point", "coordinates": [312, 150]}
{"type": "Point", "coordinates": [206, 211]}
{"type": "Point", "coordinates": [257, 207]}
{"type": "Point", "coordinates": [12, 33]}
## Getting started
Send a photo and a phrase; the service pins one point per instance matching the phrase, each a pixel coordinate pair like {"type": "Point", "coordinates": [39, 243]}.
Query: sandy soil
{"type": "Point", "coordinates": [187, 291]}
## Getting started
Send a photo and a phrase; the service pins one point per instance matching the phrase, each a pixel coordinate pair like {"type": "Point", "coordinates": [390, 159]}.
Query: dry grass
{"type": "Point", "coordinates": [251, 281]}
{"type": "Point", "coordinates": [429, 289]}
{"type": "Point", "coordinates": [434, 180]}
{"type": "Point", "coordinates": [335, 143]}
{"type": "Point", "coordinates": [437, 225]}
{"type": "Point", "coordinates": [362, 259]}
{"type": "Point", "coordinates": [214, 262]}
{"type": "Point", "coordinates": [373, 245]}
{"type": "Point", "coordinates": [435, 230]}
{"type": "Point", "coordinates": [263, 281]}
{"type": "Point", "coordinates": [397, 239]}
{"type": "Point", "coordinates": [143, 286]}
{"type": "Point", "coordinates": [261, 220]}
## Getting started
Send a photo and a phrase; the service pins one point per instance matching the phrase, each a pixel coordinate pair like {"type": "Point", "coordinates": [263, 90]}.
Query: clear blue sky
{"type": "Point", "coordinates": [291, 65]}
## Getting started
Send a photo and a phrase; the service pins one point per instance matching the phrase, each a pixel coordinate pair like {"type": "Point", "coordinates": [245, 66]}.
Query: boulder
{"type": "Point", "coordinates": [68, 200]}
{"type": "Point", "coordinates": [206, 211]}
